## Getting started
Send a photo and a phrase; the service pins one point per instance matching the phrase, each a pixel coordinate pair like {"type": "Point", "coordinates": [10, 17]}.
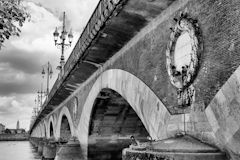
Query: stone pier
{"type": "Point", "coordinates": [69, 151]}
{"type": "Point", "coordinates": [49, 150]}
{"type": "Point", "coordinates": [40, 146]}
{"type": "Point", "coordinates": [177, 148]}
{"type": "Point", "coordinates": [34, 141]}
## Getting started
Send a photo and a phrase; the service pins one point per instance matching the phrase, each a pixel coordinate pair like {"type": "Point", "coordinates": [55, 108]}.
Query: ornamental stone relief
{"type": "Point", "coordinates": [182, 57]}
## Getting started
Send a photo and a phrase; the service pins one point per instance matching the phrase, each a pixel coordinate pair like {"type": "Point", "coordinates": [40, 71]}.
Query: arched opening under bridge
{"type": "Point", "coordinates": [65, 131]}
{"type": "Point", "coordinates": [51, 130]}
{"type": "Point", "coordinates": [113, 121]}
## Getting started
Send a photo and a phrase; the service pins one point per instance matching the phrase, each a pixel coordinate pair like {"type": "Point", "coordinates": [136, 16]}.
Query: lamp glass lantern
{"type": "Point", "coordinates": [55, 35]}
{"type": "Point", "coordinates": [70, 37]}
{"type": "Point", "coordinates": [43, 72]}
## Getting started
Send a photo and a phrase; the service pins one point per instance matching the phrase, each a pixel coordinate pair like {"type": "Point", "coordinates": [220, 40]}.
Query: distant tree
{"type": "Point", "coordinates": [7, 131]}
{"type": "Point", "coordinates": [12, 17]}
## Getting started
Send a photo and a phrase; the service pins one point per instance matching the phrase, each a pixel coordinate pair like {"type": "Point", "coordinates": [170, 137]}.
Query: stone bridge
{"type": "Point", "coordinates": [123, 79]}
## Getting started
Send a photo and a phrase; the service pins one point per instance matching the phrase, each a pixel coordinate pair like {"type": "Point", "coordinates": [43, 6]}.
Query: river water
{"type": "Point", "coordinates": [18, 150]}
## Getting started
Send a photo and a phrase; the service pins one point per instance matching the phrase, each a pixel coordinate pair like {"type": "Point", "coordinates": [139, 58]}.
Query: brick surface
{"type": "Point", "coordinates": [146, 58]}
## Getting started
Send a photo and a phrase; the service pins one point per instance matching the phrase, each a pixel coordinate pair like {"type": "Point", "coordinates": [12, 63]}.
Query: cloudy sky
{"type": "Point", "coordinates": [22, 58]}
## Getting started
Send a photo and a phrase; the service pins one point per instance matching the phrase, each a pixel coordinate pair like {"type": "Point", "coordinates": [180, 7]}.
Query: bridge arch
{"type": "Point", "coordinates": [141, 98]}
{"type": "Point", "coordinates": [51, 128]}
{"type": "Point", "coordinates": [64, 115]}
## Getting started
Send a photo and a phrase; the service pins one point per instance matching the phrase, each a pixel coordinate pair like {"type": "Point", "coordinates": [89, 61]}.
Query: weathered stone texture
{"type": "Point", "coordinates": [219, 24]}
{"type": "Point", "coordinates": [223, 115]}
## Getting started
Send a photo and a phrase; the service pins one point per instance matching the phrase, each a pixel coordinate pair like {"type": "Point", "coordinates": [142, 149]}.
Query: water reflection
{"type": "Point", "coordinates": [13, 150]}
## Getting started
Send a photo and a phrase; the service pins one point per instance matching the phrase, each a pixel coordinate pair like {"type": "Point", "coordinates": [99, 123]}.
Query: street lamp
{"type": "Point", "coordinates": [62, 44]}
{"type": "Point", "coordinates": [49, 73]}
{"type": "Point", "coordinates": [41, 95]}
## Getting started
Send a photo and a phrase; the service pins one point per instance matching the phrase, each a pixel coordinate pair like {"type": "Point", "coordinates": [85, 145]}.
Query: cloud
{"type": "Point", "coordinates": [21, 62]}
{"type": "Point", "coordinates": [15, 81]}
{"type": "Point", "coordinates": [9, 88]}
{"type": "Point", "coordinates": [78, 11]}
{"type": "Point", "coordinates": [37, 34]}
{"type": "Point", "coordinates": [21, 73]}
{"type": "Point", "coordinates": [16, 107]}
{"type": "Point", "coordinates": [22, 58]}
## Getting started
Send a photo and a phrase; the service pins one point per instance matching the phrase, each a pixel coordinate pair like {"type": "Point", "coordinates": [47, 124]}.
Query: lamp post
{"type": "Point", "coordinates": [48, 73]}
{"type": "Point", "coordinates": [40, 95]}
{"type": "Point", "coordinates": [62, 44]}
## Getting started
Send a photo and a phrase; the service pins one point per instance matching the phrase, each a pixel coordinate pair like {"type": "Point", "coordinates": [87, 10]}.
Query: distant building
{"type": "Point", "coordinates": [2, 128]}
{"type": "Point", "coordinates": [20, 131]}
{"type": "Point", "coordinates": [18, 125]}
{"type": "Point", "coordinates": [17, 131]}
{"type": "Point", "coordinates": [13, 131]}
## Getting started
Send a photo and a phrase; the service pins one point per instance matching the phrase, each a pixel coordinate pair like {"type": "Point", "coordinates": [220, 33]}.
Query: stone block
{"type": "Point", "coordinates": [228, 91]}
{"type": "Point", "coordinates": [172, 129]}
{"type": "Point", "coordinates": [231, 127]}
{"type": "Point", "coordinates": [202, 127]}
{"type": "Point", "coordinates": [234, 143]}
{"type": "Point", "coordinates": [234, 84]}
{"type": "Point", "coordinates": [234, 109]}
{"type": "Point", "coordinates": [212, 119]}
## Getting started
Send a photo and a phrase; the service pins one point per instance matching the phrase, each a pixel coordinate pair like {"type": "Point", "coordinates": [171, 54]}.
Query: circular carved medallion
{"type": "Point", "coordinates": [183, 52]}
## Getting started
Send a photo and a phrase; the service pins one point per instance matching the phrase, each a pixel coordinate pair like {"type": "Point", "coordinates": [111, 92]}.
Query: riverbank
{"type": "Point", "coordinates": [14, 137]}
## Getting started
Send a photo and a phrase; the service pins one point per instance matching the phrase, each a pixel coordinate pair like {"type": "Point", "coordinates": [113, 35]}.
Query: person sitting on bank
{"type": "Point", "coordinates": [134, 142]}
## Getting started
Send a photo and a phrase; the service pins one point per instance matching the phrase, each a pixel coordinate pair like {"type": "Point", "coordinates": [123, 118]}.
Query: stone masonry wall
{"type": "Point", "coordinates": [220, 26]}
{"type": "Point", "coordinates": [219, 23]}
